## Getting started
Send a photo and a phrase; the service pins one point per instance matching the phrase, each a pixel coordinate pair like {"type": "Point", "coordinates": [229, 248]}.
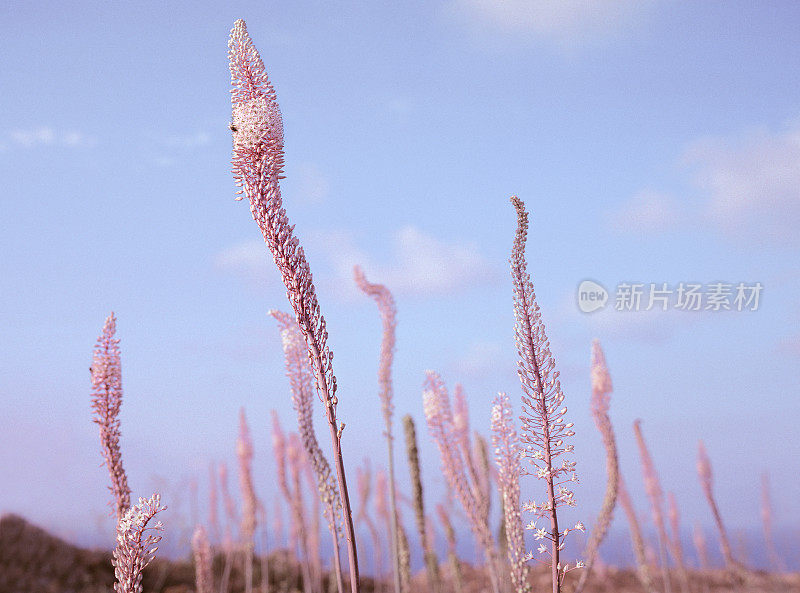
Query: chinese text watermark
{"type": "Point", "coordinates": [685, 296]}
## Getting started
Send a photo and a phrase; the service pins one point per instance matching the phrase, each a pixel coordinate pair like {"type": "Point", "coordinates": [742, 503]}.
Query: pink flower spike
{"type": "Point", "coordinates": [136, 544]}
{"type": "Point", "coordinates": [257, 166]}
{"type": "Point", "coordinates": [106, 402]}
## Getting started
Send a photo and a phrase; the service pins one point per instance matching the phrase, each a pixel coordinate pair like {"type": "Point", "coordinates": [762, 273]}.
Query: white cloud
{"type": "Point", "coordinates": [250, 259]}
{"type": "Point", "coordinates": [420, 264]}
{"type": "Point", "coordinates": [646, 212]}
{"type": "Point", "coordinates": [47, 136]}
{"type": "Point", "coordinates": [747, 187]}
{"type": "Point", "coordinates": [565, 22]}
{"type": "Point", "coordinates": [752, 183]}
{"type": "Point", "coordinates": [427, 265]}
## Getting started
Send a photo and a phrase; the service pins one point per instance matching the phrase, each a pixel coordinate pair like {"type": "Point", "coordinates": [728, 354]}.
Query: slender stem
{"type": "Point", "coordinates": [393, 503]}
{"type": "Point", "coordinates": [551, 496]}
{"type": "Point", "coordinates": [349, 532]}
{"type": "Point", "coordinates": [347, 517]}
{"type": "Point", "coordinates": [548, 458]}
{"type": "Point", "coordinates": [248, 568]}
{"type": "Point", "coordinates": [337, 562]}
{"type": "Point", "coordinates": [226, 572]}
{"type": "Point", "coordinates": [265, 561]}
{"type": "Point", "coordinates": [330, 412]}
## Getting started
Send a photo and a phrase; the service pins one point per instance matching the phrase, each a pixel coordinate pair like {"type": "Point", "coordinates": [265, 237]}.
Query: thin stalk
{"type": "Point", "coordinates": [257, 165]}
{"type": "Point", "coordinates": [543, 426]}
{"type": "Point", "coordinates": [383, 297]}
{"type": "Point", "coordinates": [337, 562]}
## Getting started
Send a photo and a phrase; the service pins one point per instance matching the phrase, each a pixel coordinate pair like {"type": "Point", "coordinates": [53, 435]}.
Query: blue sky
{"type": "Point", "coordinates": [652, 142]}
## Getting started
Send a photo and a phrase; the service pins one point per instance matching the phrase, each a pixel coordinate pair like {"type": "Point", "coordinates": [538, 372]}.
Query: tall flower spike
{"type": "Point", "coordinates": [426, 535]}
{"type": "Point", "coordinates": [230, 516]}
{"type": "Point", "coordinates": [364, 483]}
{"type": "Point", "coordinates": [699, 540]}
{"type": "Point", "coordinates": [707, 483]}
{"type": "Point", "coordinates": [601, 399]}
{"type": "Point", "coordinates": [294, 457]}
{"type": "Point", "coordinates": [654, 492]}
{"type": "Point", "coordinates": [300, 375]}
{"type": "Point", "coordinates": [106, 403]}
{"type": "Point", "coordinates": [244, 451]}
{"type": "Point", "coordinates": [507, 458]}
{"type": "Point", "coordinates": [136, 544]}
{"type": "Point", "coordinates": [213, 520]}
{"type": "Point", "coordinates": [201, 549]}
{"type": "Point", "coordinates": [452, 557]}
{"type": "Point", "coordinates": [675, 542]}
{"type": "Point", "coordinates": [257, 166]}
{"type": "Point", "coordinates": [385, 301]}
{"type": "Point", "coordinates": [228, 503]}
{"type": "Point", "coordinates": [478, 479]}
{"type": "Point", "coordinates": [301, 379]}
{"type": "Point", "coordinates": [439, 416]}
{"type": "Point", "coordinates": [766, 519]}
{"type": "Point", "coordinates": [636, 539]}
{"type": "Point", "coordinates": [543, 426]}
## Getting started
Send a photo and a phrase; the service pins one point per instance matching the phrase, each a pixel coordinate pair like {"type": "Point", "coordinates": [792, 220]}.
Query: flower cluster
{"type": "Point", "coordinates": [136, 544]}
{"type": "Point", "coordinates": [601, 399]}
{"type": "Point", "coordinates": [244, 452]}
{"type": "Point", "coordinates": [257, 165]}
{"type": "Point", "coordinates": [255, 124]}
{"type": "Point", "coordinates": [201, 549]}
{"type": "Point", "coordinates": [299, 373]}
{"type": "Point", "coordinates": [507, 458]}
{"type": "Point", "coordinates": [469, 492]}
{"type": "Point", "coordinates": [106, 403]}
{"type": "Point", "coordinates": [544, 429]}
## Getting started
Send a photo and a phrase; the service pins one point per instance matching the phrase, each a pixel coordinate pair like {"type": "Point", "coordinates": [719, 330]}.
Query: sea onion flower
{"type": "Point", "coordinates": [257, 166]}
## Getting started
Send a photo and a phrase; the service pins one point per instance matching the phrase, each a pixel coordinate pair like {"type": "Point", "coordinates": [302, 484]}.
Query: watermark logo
{"type": "Point", "coordinates": [591, 296]}
{"type": "Point", "coordinates": [685, 296]}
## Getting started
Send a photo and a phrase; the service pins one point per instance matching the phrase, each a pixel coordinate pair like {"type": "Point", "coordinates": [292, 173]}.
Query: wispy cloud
{"type": "Point", "coordinates": [646, 212]}
{"type": "Point", "coordinates": [250, 260]}
{"type": "Point", "coordinates": [752, 183]}
{"type": "Point", "coordinates": [567, 23]}
{"type": "Point", "coordinates": [47, 136]}
{"type": "Point", "coordinates": [419, 264]}
{"type": "Point", "coordinates": [192, 140]}
{"type": "Point", "coordinates": [167, 150]}
{"type": "Point", "coordinates": [747, 188]}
